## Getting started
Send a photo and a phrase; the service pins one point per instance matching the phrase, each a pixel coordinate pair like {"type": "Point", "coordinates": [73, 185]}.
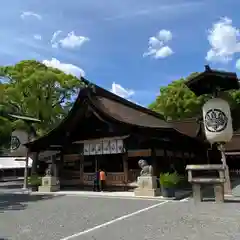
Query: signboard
{"type": "Point", "coordinates": [114, 146]}
{"type": "Point", "coordinates": [120, 148]}
{"type": "Point", "coordinates": [106, 147]}
{"type": "Point", "coordinates": [86, 149]}
{"type": "Point", "coordinates": [98, 148]}
{"type": "Point", "coordinates": [92, 147]}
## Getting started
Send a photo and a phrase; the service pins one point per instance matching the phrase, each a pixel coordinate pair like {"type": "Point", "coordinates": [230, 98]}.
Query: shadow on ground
{"type": "Point", "coordinates": [15, 186]}
{"type": "Point", "coordinates": [11, 201]}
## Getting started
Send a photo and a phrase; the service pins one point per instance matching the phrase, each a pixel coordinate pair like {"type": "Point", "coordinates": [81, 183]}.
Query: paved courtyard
{"type": "Point", "coordinates": [26, 217]}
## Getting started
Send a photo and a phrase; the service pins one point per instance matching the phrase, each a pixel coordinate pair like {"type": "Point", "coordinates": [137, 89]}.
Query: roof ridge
{"type": "Point", "coordinates": [108, 94]}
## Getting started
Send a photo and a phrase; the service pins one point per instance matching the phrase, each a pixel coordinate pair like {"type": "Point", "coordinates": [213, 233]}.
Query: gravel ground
{"type": "Point", "coordinates": [176, 221]}
{"type": "Point", "coordinates": [25, 217]}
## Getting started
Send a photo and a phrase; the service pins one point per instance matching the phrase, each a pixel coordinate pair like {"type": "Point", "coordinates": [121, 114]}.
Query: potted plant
{"type": "Point", "coordinates": [34, 182]}
{"type": "Point", "coordinates": [168, 182]}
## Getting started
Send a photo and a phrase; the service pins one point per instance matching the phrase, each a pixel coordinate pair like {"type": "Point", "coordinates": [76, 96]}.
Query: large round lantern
{"type": "Point", "coordinates": [217, 121]}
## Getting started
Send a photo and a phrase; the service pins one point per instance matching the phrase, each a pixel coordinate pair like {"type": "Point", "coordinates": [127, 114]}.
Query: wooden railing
{"type": "Point", "coordinates": [133, 175]}
{"type": "Point", "coordinates": [113, 178]}
{"type": "Point", "coordinates": [88, 178]}
{"type": "Point", "coordinates": [70, 174]}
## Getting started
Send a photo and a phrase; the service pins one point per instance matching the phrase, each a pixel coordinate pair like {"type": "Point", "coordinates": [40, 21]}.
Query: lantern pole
{"type": "Point", "coordinates": [227, 184]}
{"type": "Point", "coordinates": [221, 148]}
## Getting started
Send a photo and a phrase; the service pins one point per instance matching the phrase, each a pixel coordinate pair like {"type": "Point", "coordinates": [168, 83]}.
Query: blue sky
{"type": "Point", "coordinates": [130, 46]}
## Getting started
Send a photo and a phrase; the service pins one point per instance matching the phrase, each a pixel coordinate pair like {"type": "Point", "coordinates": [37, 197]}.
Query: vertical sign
{"type": "Point", "coordinates": [92, 149]}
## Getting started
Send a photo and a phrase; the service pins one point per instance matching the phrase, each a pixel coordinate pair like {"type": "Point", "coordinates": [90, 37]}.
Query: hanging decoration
{"type": "Point", "coordinates": [217, 121]}
{"type": "Point", "coordinates": [114, 146]}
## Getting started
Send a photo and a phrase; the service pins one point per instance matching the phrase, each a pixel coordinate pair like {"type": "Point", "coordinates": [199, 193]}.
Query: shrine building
{"type": "Point", "coordinates": [105, 131]}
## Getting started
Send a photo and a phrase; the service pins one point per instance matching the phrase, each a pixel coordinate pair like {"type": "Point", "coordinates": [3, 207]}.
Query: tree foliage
{"type": "Point", "coordinates": [176, 101]}
{"type": "Point", "coordinates": [30, 88]}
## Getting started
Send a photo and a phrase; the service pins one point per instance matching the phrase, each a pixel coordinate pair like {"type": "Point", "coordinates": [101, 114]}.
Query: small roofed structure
{"type": "Point", "coordinates": [103, 130]}
{"type": "Point", "coordinates": [13, 167]}
{"type": "Point", "coordinates": [210, 81]}
{"type": "Point", "coordinates": [217, 117]}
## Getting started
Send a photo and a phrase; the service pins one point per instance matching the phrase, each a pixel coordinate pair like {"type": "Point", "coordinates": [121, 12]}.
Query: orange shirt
{"type": "Point", "coordinates": [102, 176]}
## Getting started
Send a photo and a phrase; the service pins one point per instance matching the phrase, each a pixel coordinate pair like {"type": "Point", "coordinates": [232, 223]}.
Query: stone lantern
{"type": "Point", "coordinates": [216, 112]}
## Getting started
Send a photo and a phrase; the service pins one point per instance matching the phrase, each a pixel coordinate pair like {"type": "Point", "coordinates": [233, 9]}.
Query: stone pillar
{"type": "Point", "coordinates": [197, 193]}
{"type": "Point", "coordinates": [219, 193]}
{"type": "Point", "coordinates": [227, 184]}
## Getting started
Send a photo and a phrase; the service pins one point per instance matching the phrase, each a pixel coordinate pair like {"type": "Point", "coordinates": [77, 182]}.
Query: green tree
{"type": "Point", "coordinates": [176, 101]}
{"type": "Point", "coordinates": [39, 91]}
{"type": "Point", "coordinates": [30, 88]}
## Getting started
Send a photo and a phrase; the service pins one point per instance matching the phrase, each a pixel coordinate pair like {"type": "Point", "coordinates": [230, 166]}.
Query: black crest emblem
{"type": "Point", "coordinates": [15, 143]}
{"type": "Point", "coordinates": [215, 120]}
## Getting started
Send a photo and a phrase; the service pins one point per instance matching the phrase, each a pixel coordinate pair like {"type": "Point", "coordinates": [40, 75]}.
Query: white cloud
{"type": "Point", "coordinates": [30, 14]}
{"type": "Point", "coordinates": [238, 64]}
{"type": "Point", "coordinates": [54, 41]}
{"type": "Point", "coordinates": [37, 37]}
{"type": "Point", "coordinates": [120, 91]}
{"type": "Point", "coordinates": [157, 45]}
{"type": "Point", "coordinates": [65, 67]}
{"type": "Point", "coordinates": [70, 41]}
{"type": "Point", "coordinates": [164, 35]}
{"type": "Point", "coordinates": [224, 41]}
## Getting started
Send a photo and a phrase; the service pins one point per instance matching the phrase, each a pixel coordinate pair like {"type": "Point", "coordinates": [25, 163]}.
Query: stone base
{"type": "Point", "coordinates": [147, 187]}
{"type": "Point", "coordinates": [48, 188]}
{"type": "Point", "coordinates": [141, 192]}
{"type": "Point", "coordinates": [49, 184]}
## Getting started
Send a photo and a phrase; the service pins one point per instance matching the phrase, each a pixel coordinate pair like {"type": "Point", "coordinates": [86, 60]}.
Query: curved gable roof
{"type": "Point", "coordinates": [111, 105]}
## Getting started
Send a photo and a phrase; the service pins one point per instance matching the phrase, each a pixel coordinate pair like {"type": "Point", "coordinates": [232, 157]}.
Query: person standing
{"type": "Point", "coordinates": [102, 180]}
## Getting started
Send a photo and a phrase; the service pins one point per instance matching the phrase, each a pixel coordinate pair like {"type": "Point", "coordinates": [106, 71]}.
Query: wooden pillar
{"type": "Point", "coordinates": [54, 166]}
{"type": "Point", "coordinates": [82, 170]}
{"type": "Point", "coordinates": [35, 163]}
{"type": "Point", "coordinates": [125, 166]}
{"type": "Point", "coordinates": [154, 162]}
{"type": "Point", "coordinates": [61, 164]}
{"type": "Point", "coordinates": [25, 183]}
{"type": "Point", "coordinates": [96, 163]}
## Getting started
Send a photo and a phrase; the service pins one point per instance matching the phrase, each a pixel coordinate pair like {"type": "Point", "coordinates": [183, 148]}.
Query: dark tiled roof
{"type": "Point", "coordinates": [188, 127]}
{"type": "Point", "coordinates": [113, 107]}
{"type": "Point", "coordinates": [234, 144]}
{"type": "Point", "coordinates": [127, 114]}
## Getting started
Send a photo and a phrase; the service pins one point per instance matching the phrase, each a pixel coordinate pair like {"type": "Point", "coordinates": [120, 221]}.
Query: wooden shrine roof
{"type": "Point", "coordinates": [112, 107]}
{"type": "Point", "coordinates": [190, 127]}
{"type": "Point", "coordinates": [128, 114]}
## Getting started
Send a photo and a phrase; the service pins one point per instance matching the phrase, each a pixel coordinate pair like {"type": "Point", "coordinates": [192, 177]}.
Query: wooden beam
{"type": "Point", "coordinates": [139, 153]}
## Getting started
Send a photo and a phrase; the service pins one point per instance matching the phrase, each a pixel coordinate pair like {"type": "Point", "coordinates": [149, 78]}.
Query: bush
{"type": "Point", "coordinates": [35, 180]}
{"type": "Point", "coordinates": [169, 180]}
